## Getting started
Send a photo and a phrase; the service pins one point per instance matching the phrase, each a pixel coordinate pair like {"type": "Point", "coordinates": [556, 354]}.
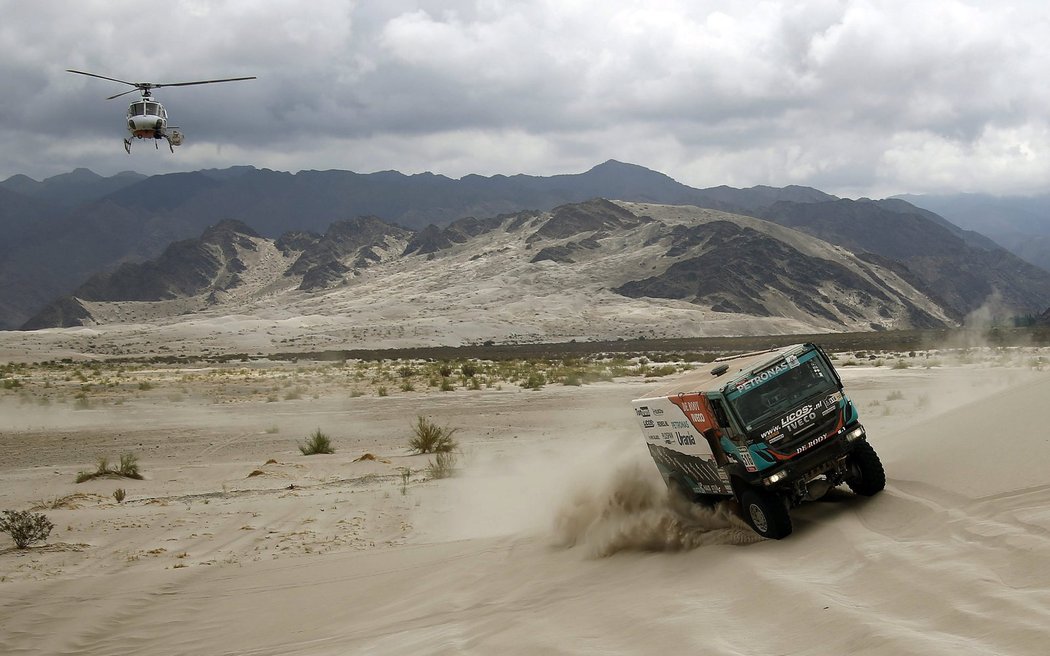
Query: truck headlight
{"type": "Point", "coordinates": [855, 434]}
{"type": "Point", "coordinates": [775, 478]}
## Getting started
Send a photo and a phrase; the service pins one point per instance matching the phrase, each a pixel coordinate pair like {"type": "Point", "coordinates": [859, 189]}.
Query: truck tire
{"type": "Point", "coordinates": [766, 513]}
{"type": "Point", "coordinates": [866, 475]}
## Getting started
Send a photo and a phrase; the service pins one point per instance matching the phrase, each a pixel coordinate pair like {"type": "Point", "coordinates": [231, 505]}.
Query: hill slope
{"type": "Point", "coordinates": [591, 270]}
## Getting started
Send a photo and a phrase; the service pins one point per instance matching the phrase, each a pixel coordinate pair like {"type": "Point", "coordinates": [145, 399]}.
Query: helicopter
{"type": "Point", "coordinates": [147, 118]}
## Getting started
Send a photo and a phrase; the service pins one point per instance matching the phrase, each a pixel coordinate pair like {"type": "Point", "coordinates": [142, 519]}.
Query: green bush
{"type": "Point", "coordinates": [317, 443]}
{"type": "Point", "coordinates": [428, 437]}
{"type": "Point", "coordinates": [25, 527]}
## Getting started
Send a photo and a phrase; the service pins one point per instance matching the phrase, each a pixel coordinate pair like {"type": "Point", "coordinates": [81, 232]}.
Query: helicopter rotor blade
{"type": "Point", "coordinates": [112, 79]}
{"type": "Point", "coordinates": [186, 84]}
{"type": "Point", "coordinates": [124, 93]}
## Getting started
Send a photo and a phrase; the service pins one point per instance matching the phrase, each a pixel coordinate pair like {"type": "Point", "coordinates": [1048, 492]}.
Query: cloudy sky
{"type": "Point", "coordinates": [857, 98]}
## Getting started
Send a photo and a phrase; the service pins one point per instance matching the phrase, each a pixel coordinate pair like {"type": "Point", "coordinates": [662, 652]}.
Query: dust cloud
{"type": "Point", "coordinates": [633, 512]}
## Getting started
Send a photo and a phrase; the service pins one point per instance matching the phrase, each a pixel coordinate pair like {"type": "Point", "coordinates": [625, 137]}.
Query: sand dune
{"type": "Point", "coordinates": [556, 537]}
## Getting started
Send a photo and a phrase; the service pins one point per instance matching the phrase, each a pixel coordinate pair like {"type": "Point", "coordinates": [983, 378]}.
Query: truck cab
{"type": "Point", "coordinates": [772, 429]}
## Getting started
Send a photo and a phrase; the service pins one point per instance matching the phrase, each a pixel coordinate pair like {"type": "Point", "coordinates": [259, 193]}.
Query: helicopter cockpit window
{"type": "Point", "coordinates": [137, 109]}
{"type": "Point", "coordinates": [151, 109]}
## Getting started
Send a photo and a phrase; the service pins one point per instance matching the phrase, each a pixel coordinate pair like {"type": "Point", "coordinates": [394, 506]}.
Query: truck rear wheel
{"type": "Point", "coordinates": [766, 513]}
{"type": "Point", "coordinates": [866, 475]}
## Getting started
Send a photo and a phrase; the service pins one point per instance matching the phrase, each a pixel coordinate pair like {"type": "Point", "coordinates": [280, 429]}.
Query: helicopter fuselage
{"type": "Point", "coordinates": [147, 119]}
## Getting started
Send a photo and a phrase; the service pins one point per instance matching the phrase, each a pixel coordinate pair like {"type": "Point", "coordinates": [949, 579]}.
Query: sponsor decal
{"type": "Point", "coordinates": [812, 443]}
{"type": "Point", "coordinates": [798, 417]}
{"type": "Point", "coordinates": [695, 409]}
{"type": "Point", "coordinates": [661, 423]}
{"type": "Point", "coordinates": [762, 377]}
{"type": "Point", "coordinates": [771, 434]}
{"type": "Point", "coordinates": [658, 411]}
{"type": "Point", "coordinates": [702, 472]}
{"type": "Point", "coordinates": [642, 411]}
{"type": "Point", "coordinates": [648, 423]}
{"type": "Point", "coordinates": [668, 438]}
{"type": "Point", "coordinates": [685, 439]}
{"type": "Point", "coordinates": [790, 362]}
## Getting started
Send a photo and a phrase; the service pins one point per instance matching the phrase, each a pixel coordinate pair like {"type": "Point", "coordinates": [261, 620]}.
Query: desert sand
{"type": "Point", "coordinates": [555, 536]}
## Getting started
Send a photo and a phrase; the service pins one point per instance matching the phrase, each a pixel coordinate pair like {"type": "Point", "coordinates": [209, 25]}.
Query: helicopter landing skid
{"type": "Point", "coordinates": [171, 146]}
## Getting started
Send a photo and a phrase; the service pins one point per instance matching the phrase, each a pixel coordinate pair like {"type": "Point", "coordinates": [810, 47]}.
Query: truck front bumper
{"type": "Point", "coordinates": [817, 461]}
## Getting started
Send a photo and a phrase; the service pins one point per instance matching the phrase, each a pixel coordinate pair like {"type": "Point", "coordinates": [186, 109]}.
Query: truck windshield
{"type": "Point", "coordinates": [780, 387]}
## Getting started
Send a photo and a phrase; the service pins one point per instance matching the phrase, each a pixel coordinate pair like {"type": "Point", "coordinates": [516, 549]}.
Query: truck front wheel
{"type": "Point", "coordinates": [766, 513]}
{"type": "Point", "coordinates": [866, 475]}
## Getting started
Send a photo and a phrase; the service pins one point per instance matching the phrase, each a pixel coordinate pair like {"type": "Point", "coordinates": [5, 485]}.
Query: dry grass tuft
{"type": "Point", "coordinates": [430, 438]}
{"type": "Point", "coordinates": [128, 468]}
{"type": "Point", "coordinates": [317, 443]}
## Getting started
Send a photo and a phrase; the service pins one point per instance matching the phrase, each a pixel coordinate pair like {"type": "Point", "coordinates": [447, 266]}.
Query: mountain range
{"type": "Point", "coordinates": [77, 241]}
{"type": "Point", "coordinates": [1021, 224]}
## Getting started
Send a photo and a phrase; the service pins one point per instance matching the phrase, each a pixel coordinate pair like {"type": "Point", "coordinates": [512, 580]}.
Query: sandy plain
{"type": "Point", "coordinates": [555, 536]}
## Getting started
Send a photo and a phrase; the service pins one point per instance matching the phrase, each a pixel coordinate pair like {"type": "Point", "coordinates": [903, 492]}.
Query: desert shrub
{"type": "Point", "coordinates": [382, 390]}
{"type": "Point", "coordinates": [407, 386]}
{"type": "Point", "coordinates": [445, 370]}
{"type": "Point", "coordinates": [318, 442]}
{"type": "Point", "coordinates": [469, 369]}
{"type": "Point", "coordinates": [25, 527]}
{"type": "Point", "coordinates": [428, 437]}
{"type": "Point", "coordinates": [662, 370]}
{"type": "Point", "coordinates": [895, 395]}
{"type": "Point", "coordinates": [535, 381]}
{"type": "Point", "coordinates": [900, 364]}
{"type": "Point", "coordinates": [406, 372]}
{"type": "Point", "coordinates": [119, 494]}
{"type": "Point", "coordinates": [442, 466]}
{"type": "Point", "coordinates": [145, 386]}
{"type": "Point", "coordinates": [128, 468]}
{"type": "Point", "coordinates": [446, 385]}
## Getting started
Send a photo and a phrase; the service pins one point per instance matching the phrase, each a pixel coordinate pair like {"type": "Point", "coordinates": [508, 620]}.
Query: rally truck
{"type": "Point", "coordinates": [770, 429]}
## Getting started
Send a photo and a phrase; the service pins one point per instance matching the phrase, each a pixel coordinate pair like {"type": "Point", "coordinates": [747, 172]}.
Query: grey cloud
{"type": "Point", "coordinates": [847, 96]}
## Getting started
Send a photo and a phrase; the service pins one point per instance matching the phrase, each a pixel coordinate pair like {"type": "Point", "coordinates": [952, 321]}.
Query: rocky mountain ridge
{"type": "Point", "coordinates": [626, 269]}
{"type": "Point", "coordinates": [50, 248]}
